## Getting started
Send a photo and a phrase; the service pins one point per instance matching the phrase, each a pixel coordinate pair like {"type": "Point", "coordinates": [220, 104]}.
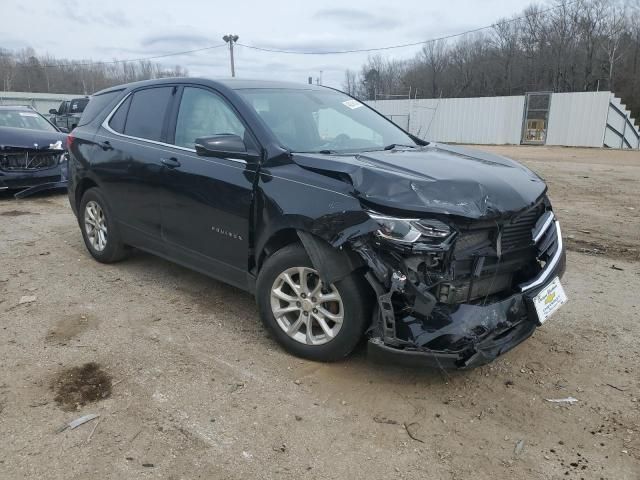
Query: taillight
{"type": "Point", "coordinates": [70, 139]}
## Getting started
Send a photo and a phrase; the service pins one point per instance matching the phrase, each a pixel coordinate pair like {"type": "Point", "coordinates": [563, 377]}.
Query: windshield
{"type": "Point", "coordinates": [323, 121]}
{"type": "Point", "coordinates": [25, 119]}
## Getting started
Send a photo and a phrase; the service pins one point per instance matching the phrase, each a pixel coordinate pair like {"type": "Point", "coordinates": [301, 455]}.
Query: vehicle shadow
{"type": "Point", "coordinates": [8, 195]}
{"type": "Point", "coordinates": [216, 299]}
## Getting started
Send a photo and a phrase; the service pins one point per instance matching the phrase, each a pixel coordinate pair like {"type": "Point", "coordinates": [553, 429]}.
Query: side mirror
{"type": "Point", "coordinates": [224, 146]}
{"type": "Point", "coordinates": [63, 129]}
{"type": "Point", "coordinates": [53, 111]}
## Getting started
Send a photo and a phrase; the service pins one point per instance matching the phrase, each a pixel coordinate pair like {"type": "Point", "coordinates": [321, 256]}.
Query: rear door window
{"type": "Point", "coordinates": [147, 113]}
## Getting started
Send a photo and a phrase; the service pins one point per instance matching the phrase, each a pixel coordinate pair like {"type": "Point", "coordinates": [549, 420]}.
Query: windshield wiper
{"type": "Point", "coordinates": [323, 152]}
{"type": "Point", "coordinates": [396, 145]}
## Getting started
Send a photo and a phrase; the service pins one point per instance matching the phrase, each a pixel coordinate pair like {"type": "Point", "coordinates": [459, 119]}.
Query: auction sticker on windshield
{"type": "Point", "coordinates": [549, 300]}
{"type": "Point", "coordinates": [352, 104]}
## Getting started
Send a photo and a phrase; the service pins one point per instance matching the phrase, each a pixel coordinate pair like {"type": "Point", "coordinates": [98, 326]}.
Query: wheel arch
{"type": "Point", "coordinates": [83, 185]}
{"type": "Point", "coordinates": [332, 263]}
{"type": "Point", "coordinates": [278, 240]}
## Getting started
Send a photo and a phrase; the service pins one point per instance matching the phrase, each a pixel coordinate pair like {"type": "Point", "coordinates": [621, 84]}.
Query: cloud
{"type": "Point", "coordinates": [79, 13]}
{"type": "Point", "coordinates": [125, 29]}
{"type": "Point", "coordinates": [355, 18]}
{"type": "Point", "coordinates": [308, 43]}
{"type": "Point", "coordinates": [13, 43]}
{"type": "Point", "coordinates": [178, 40]}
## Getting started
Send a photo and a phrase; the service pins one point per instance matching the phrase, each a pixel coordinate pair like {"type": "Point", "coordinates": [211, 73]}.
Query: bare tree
{"type": "Point", "coordinates": [616, 26]}
{"type": "Point", "coordinates": [435, 57]}
{"type": "Point", "coordinates": [591, 25]}
{"type": "Point", "coordinates": [576, 46]}
{"type": "Point", "coordinates": [506, 42]}
{"type": "Point", "coordinates": [24, 70]}
{"type": "Point", "coordinates": [350, 84]}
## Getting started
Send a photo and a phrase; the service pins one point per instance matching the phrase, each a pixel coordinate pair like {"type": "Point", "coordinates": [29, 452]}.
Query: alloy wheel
{"type": "Point", "coordinates": [95, 226]}
{"type": "Point", "coordinates": [306, 309]}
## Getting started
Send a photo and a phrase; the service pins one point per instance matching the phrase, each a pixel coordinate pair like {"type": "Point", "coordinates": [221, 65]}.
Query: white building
{"type": "Point", "coordinates": [42, 102]}
{"type": "Point", "coordinates": [584, 119]}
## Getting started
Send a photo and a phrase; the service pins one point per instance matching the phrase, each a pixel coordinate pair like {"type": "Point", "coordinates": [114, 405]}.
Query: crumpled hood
{"type": "Point", "coordinates": [437, 178]}
{"type": "Point", "coordinates": [20, 138]}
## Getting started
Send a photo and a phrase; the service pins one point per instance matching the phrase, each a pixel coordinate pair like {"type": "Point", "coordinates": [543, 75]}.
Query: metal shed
{"type": "Point", "coordinates": [581, 119]}
{"type": "Point", "coordinates": [42, 102]}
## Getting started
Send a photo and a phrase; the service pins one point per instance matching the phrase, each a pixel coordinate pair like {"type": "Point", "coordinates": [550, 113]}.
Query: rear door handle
{"type": "Point", "coordinates": [106, 145]}
{"type": "Point", "coordinates": [170, 162]}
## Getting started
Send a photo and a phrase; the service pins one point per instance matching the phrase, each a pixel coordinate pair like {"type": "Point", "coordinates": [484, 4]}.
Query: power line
{"type": "Point", "coordinates": [111, 62]}
{"type": "Point", "coordinates": [404, 45]}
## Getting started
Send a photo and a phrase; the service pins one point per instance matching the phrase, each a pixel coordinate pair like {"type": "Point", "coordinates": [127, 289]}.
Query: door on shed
{"type": "Point", "coordinates": [536, 118]}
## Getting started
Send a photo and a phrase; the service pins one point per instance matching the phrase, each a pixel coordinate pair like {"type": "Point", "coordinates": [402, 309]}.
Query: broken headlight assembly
{"type": "Point", "coordinates": [411, 230]}
{"type": "Point", "coordinates": [64, 166]}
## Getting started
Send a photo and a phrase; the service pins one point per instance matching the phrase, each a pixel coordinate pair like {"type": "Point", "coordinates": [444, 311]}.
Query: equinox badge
{"type": "Point", "coordinates": [226, 233]}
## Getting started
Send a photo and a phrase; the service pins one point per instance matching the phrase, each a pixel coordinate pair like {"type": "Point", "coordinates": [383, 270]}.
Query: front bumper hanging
{"type": "Point", "coordinates": [463, 335]}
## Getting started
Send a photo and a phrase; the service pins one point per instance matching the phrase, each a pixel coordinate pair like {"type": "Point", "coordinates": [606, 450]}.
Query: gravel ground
{"type": "Point", "coordinates": [199, 390]}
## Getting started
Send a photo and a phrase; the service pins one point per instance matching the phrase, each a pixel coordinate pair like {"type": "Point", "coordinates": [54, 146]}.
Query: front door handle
{"type": "Point", "coordinates": [170, 162]}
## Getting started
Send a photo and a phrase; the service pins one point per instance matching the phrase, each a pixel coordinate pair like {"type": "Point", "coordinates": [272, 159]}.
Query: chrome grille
{"type": "Point", "coordinates": [549, 251]}
{"type": "Point", "coordinates": [547, 243]}
{"type": "Point", "coordinates": [518, 234]}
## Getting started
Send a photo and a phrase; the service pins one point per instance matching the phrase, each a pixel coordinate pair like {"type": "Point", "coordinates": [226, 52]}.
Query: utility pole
{"type": "Point", "coordinates": [231, 39]}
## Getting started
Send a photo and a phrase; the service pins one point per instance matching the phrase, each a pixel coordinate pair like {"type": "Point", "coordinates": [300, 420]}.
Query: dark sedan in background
{"type": "Point", "coordinates": [32, 152]}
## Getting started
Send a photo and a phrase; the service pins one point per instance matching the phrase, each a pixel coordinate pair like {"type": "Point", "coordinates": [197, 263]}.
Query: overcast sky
{"type": "Point", "coordinates": [122, 29]}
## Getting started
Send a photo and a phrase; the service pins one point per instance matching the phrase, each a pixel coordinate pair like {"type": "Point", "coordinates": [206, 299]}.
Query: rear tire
{"type": "Point", "coordinates": [99, 229]}
{"type": "Point", "coordinates": [337, 314]}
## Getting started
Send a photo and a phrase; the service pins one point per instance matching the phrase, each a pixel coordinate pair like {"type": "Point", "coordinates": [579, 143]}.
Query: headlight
{"type": "Point", "coordinates": [411, 230]}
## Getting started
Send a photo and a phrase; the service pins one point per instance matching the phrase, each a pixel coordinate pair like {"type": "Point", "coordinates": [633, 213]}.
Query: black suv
{"type": "Point", "coordinates": [341, 223]}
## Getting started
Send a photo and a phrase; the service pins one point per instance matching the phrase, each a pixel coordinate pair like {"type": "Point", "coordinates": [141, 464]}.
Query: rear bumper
{"type": "Point", "coordinates": [467, 335]}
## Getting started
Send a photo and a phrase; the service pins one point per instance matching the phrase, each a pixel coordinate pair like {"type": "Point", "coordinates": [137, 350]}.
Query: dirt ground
{"type": "Point", "coordinates": [198, 390]}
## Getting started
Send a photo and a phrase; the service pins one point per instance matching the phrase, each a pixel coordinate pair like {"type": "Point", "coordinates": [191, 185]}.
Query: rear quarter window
{"type": "Point", "coordinates": [96, 105]}
{"type": "Point", "coordinates": [119, 118]}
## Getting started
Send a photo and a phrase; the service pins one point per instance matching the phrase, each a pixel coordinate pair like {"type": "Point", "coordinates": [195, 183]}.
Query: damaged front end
{"type": "Point", "coordinates": [458, 295]}
{"type": "Point", "coordinates": [34, 168]}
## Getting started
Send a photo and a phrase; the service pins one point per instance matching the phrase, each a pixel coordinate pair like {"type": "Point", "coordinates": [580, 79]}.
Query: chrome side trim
{"type": "Point", "coordinates": [545, 226]}
{"type": "Point", "coordinates": [549, 267]}
{"type": "Point", "coordinates": [105, 125]}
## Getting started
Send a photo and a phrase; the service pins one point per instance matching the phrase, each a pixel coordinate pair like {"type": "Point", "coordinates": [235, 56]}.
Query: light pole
{"type": "Point", "coordinates": [231, 39]}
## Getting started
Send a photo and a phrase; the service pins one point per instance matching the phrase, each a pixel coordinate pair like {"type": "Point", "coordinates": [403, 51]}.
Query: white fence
{"type": "Point", "coordinates": [42, 102]}
{"type": "Point", "coordinates": [621, 131]}
{"type": "Point", "coordinates": [578, 119]}
{"type": "Point", "coordinates": [583, 119]}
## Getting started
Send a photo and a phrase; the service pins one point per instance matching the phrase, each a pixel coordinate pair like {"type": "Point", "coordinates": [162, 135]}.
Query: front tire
{"type": "Point", "coordinates": [99, 230]}
{"type": "Point", "coordinates": [308, 318]}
